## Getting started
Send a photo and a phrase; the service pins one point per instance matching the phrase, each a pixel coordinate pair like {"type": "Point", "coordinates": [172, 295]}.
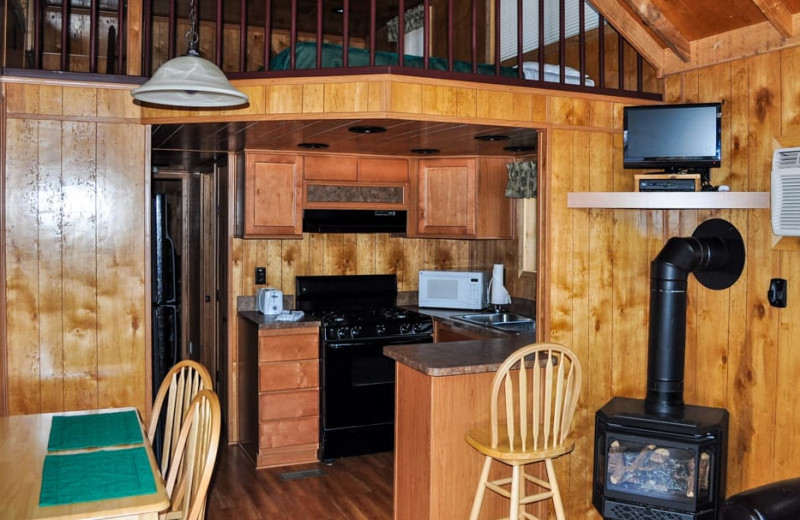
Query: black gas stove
{"type": "Point", "coordinates": [359, 317]}
{"type": "Point", "coordinates": [386, 323]}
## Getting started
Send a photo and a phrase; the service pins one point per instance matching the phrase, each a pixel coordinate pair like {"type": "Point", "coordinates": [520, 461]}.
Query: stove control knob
{"type": "Point", "coordinates": [342, 333]}
{"type": "Point", "coordinates": [380, 329]}
{"type": "Point", "coordinates": [405, 328]}
{"type": "Point", "coordinates": [419, 328]}
{"type": "Point", "coordinates": [355, 331]}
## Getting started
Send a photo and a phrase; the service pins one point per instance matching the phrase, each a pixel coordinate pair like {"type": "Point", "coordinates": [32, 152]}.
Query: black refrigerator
{"type": "Point", "coordinates": [166, 300]}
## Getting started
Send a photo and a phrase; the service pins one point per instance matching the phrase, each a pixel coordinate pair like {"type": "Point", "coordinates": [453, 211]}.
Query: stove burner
{"type": "Point", "coordinates": [354, 323]}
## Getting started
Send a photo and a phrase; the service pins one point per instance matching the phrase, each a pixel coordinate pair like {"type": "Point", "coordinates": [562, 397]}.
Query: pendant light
{"type": "Point", "coordinates": [190, 80]}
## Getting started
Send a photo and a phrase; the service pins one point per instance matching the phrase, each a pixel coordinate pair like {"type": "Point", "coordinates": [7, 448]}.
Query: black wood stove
{"type": "Point", "coordinates": [657, 458]}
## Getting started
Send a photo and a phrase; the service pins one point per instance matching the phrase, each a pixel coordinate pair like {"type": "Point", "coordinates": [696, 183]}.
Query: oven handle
{"type": "Point", "coordinates": [372, 342]}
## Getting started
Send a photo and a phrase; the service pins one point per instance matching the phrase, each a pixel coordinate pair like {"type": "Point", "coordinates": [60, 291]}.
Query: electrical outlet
{"type": "Point", "coordinates": [261, 275]}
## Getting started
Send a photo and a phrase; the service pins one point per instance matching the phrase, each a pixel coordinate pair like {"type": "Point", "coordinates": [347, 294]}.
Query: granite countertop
{"type": "Point", "coordinates": [268, 322]}
{"type": "Point", "coordinates": [457, 357]}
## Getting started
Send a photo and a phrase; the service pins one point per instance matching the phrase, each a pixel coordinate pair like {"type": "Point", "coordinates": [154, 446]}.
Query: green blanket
{"type": "Point", "coordinates": [94, 430]}
{"type": "Point", "coordinates": [306, 58]}
{"type": "Point", "coordinates": [96, 475]}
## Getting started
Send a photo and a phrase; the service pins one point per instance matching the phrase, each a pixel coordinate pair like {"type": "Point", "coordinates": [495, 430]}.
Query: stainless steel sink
{"type": "Point", "coordinates": [500, 320]}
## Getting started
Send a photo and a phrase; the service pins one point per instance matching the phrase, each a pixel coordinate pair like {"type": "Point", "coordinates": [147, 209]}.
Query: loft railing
{"type": "Point", "coordinates": [562, 44]}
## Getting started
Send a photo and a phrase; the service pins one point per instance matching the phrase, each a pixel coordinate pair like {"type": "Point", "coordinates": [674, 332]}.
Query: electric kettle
{"type": "Point", "coordinates": [269, 301]}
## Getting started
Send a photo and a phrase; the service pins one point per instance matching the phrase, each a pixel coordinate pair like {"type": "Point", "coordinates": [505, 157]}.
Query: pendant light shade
{"type": "Point", "coordinates": [189, 81]}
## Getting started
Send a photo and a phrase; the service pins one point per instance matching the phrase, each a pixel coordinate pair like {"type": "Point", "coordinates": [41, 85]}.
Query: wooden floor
{"type": "Point", "coordinates": [352, 488]}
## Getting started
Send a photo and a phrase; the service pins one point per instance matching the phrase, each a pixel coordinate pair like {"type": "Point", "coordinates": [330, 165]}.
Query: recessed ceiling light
{"type": "Point", "coordinates": [312, 146]}
{"type": "Point", "coordinates": [520, 148]}
{"type": "Point", "coordinates": [340, 10]}
{"type": "Point", "coordinates": [367, 129]}
{"type": "Point", "coordinates": [492, 137]}
{"type": "Point", "coordinates": [425, 151]}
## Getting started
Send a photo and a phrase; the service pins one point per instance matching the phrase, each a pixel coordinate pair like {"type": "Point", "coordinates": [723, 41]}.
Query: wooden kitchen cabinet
{"type": "Point", "coordinates": [278, 394]}
{"type": "Point", "coordinates": [352, 168]}
{"type": "Point", "coordinates": [463, 197]}
{"type": "Point", "coordinates": [272, 195]}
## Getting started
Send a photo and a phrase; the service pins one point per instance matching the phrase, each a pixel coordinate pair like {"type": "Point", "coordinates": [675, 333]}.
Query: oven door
{"type": "Point", "coordinates": [358, 382]}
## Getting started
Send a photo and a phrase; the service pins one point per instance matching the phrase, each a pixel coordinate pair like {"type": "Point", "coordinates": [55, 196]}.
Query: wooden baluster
{"type": "Point", "coordinates": [582, 41]}
{"type": "Point", "coordinates": [541, 40]}
{"type": "Point", "coordinates": [401, 32]}
{"type": "Point", "coordinates": [172, 32]}
{"type": "Point", "coordinates": [242, 38]}
{"type": "Point", "coordinates": [346, 33]}
{"type": "Point", "coordinates": [267, 33]}
{"type": "Point", "coordinates": [601, 52]}
{"type": "Point", "coordinates": [320, 7]}
{"type": "Point", "coordinates": [94, 37]}
{"type": "Point", "coordinates": [147, 37]}
{"type": "Point", "coordinates": [65, 15]}
{"type": "Point", "coordinates": [293, 36]}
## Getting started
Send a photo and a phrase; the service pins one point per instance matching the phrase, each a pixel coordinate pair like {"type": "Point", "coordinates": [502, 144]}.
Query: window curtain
{"type": "Point", "coordinates": [413, 20]}
{"type": "Point", "coordinates": [522, 180]}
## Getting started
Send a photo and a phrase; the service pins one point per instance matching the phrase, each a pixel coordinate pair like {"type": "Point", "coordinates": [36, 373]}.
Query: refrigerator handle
{"type": "Point", "coordinates": [174, 277]}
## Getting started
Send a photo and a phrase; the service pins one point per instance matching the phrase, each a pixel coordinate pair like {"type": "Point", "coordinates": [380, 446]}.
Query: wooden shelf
{"type": "Point", "coordinates": [669, 200]}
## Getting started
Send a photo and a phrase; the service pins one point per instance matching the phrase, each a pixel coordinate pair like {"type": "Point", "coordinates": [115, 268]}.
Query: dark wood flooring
{"type": "Point", "coordinates": [352, 488]}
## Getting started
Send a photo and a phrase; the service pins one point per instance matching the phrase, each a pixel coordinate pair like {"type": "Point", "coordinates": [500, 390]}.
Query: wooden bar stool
{"type": "Point", "coordinates": [532, 423]}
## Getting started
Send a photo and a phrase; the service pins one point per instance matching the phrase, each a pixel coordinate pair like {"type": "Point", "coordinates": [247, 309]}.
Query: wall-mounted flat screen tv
{"type": "Point", "coordinates": [672, 138]}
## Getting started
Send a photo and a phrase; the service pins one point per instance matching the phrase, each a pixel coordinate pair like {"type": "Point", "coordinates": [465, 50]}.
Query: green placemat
{"type": "Point", "coordinates": [97, 475]}
{"type": "Point", "coordinates": [72, 432]}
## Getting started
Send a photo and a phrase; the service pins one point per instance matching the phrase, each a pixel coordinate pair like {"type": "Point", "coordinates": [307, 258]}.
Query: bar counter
{"type": "Point", "coordinates": [443, 391]}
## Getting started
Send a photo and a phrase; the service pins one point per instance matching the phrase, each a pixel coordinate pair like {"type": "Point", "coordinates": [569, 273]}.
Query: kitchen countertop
{"type": "Point", "coordinates": [267, 322]}
{"type": "Point", "coordinates": [458, 357]}
{"type": "Point", "coordinates": [446, 316]}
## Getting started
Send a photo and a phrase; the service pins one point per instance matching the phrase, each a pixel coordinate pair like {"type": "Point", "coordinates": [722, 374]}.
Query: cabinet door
{"type": "Point", "coordinates": [272, 195]}
{"type": "Point", "coordinates": [446, 197]}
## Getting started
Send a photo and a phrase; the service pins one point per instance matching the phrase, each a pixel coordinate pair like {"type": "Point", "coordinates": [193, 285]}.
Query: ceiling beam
{"type": "Point", "coordinates": [778, 15]}
{"type": "Point", "coordinates": [669, 34]}
{"type": "Point", "coordinates": [632, 30]}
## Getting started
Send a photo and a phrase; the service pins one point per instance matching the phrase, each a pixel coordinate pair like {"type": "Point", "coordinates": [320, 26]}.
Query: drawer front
{"type": "Point", "coordinates": [382, 170]}
{"type": "Point", "coordinates": [288, 347]}
{"type": "Point", "coordinates": [281, 405]}
{"type": "Point", "coordinates": [288, 375]}
{"type": "Point", "coordinates": [289, 432]}
{"type": "Point", "coordinates": [330, 168]}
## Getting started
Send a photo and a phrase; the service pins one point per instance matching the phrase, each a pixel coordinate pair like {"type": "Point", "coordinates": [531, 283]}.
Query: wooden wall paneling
{"type": "Point", "coordinates": [787, 423]}
{"type": "Point", "coordinates": [736, 341]}
{"type": "Point", "coordinates": [271, 251]}
{"type": "Point", "coordinates": [762, 264]}
{"type": "Point", "coordinates": [123, 190]}
{"type": "Point", "coordinates": [333, 254]}
{"type": "Point", "coordinates": [51, 242]}
{"type": "Point", "coordinates": [598, 364]}
{"type": "Point", "coordinates": [316, 245]}
{"type": "Point", "coordinates": [22, 257]}
{"type": "Point", "coordinates": [412, 260]}
{"type": "Point", "coordinates": [3, 309]}
{"type": "Point", "coordinates": [561, 175]}
{"type": "Point", "coordinates": [80, 264]}
{"type": "Point", "coordinates": [349, 254]}
{"type": "Point", "coordinates": [790, 105]}
{"type": "Point", "coordinates": [579, 463]}
{"type": "Point", "coordinates": [366, 253]}
{"type": "Point", "coordinates": [295, 262]}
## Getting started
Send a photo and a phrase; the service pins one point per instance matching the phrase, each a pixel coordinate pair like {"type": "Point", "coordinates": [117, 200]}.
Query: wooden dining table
{"type": "Point", "coordinates": [23, 448]}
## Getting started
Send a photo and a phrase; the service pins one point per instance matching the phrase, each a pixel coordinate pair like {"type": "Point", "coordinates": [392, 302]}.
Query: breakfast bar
{"type": "Point", "coordinates": [443, 391]}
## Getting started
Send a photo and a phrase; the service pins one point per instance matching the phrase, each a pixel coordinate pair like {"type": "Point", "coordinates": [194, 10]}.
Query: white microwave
{"type": "Point", "coordinates": [453, 289]}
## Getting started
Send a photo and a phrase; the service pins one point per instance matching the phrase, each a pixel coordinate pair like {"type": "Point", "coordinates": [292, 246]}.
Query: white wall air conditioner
{"type": "Point", "coordinates": [785, 192]}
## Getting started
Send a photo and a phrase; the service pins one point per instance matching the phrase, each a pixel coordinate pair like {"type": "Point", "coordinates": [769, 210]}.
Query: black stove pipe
{"type": "Point", "coordinates": [669, 272]}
